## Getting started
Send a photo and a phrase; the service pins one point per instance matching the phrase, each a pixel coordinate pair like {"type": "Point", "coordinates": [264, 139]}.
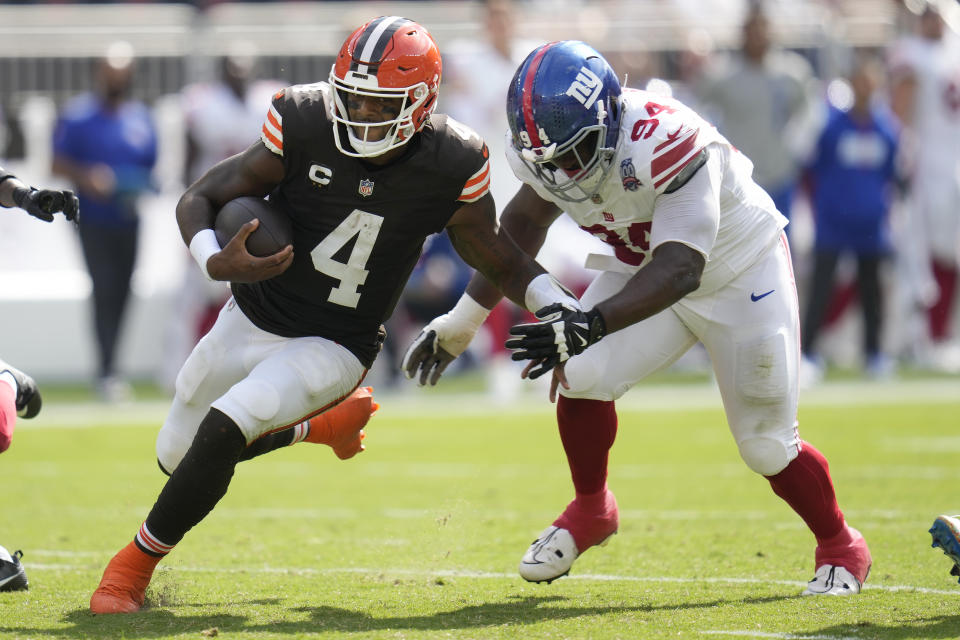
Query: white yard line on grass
{"type": "Point", "coordinates": [784, 636]}
{"type": "Point", "coordinates": [486, 575]}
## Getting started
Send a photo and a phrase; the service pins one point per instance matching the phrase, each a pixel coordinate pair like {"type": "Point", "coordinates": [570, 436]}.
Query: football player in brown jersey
{"type": "Point", "coordinates": [366, 171]}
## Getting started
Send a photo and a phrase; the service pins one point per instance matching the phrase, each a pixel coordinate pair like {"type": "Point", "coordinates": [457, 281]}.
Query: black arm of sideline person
{"type": "Point", "coordinates": [39, 203]}
{"type": "Point", "coordinates": [254, 172]}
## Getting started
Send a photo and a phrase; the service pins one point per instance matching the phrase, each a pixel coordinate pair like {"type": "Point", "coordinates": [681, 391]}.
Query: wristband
{"type": "Point", "coordinates": [544, 290]}
{"type": "Point", "coordinates": [7, 176]}
{"type": "Point", "coordinates": [203, 245]}
{"type": "Point", "coordinates": [20, 194]}
{"type": "Point", "coordinates": [469, 311]}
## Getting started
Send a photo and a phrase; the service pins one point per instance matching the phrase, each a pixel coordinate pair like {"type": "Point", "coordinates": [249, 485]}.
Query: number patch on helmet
{"type": "Point", "coordinates": [525, 138]}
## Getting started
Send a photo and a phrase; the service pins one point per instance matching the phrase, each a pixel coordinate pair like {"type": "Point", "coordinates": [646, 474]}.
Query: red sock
{"type": "Point", "coordinates": [8, 415]}
{"type": "Point", "coordinates": [806, 486]}
{"type": "Point", "coordinates": [587, 430]}
{"type": "Point", "coordinates": [939, 314]}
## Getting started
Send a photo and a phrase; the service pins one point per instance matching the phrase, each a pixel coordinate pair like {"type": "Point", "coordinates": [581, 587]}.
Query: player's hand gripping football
{"type": "Point", "coordinates": [235, 264]}
{"type": "Point", "coordinates": [563, 331]}
{"type": "Point", "coordinates": [43, 203]}
{"type": "Point", "coordinates": [437, 345]}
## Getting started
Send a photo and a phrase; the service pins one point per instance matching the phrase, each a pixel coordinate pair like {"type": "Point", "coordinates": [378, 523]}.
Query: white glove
{"type": "Point", "coordinates": [442, 340]}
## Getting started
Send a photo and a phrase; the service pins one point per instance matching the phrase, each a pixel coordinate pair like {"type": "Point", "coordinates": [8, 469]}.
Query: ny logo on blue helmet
{"type": "Point", "coordinates": [564, 114]}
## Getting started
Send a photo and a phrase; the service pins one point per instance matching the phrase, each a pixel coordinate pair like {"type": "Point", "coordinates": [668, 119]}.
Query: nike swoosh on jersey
{"type": "Point", "coordinates": [754, 297]}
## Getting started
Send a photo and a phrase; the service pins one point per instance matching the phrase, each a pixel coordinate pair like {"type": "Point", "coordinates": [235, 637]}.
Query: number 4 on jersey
{"type": "Point", "coordinates": [353, 273]}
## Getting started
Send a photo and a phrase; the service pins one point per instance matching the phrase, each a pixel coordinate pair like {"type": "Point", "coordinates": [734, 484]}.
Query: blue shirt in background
{"type": "Point", "coordinates": [852, 176]}
{"type": "Point", "coordinates": [125, 139]}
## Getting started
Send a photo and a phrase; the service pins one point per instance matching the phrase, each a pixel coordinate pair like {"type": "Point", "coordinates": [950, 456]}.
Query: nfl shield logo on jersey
{"type": "Point", "coordinates": [366, 187]}
{"type": "Point", "coordinates": [629, 175]}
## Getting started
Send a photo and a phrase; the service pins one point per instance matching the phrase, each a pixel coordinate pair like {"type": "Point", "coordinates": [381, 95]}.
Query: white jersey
{"type": "Point", "coordinates": [659, 136]}
{"type": "Point", "coordinates": [221, 123]}
{"type": "Point", "coordinates": [936, 108]}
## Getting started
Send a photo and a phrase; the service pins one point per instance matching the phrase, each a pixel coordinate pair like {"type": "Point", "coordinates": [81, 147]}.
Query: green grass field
{"type": "Point", "coordinates": [419, 536]}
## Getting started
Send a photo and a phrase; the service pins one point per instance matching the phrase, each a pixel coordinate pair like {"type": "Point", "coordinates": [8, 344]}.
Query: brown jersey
{"type": "Point", "coordinates": [358, 228]}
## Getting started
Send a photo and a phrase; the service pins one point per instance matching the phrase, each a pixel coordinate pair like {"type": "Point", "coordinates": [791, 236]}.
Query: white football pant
{"type": "Point", "coordinates": [750, 328]}
{"type": "Point", "coordinates": [262, 381]}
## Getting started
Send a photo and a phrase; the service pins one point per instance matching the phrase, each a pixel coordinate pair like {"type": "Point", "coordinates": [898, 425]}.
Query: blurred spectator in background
{"type": "Point", "coordinates": [852, 176]}
{"type": "Point", "coordinates": [763, 101]}
{"type": "Point", "coordinates": [221, 118]}
{"type": "Point", "coordinates": [477, 73]}
{"type": "Point", "coordinates": [105, 143]}
{"type": "Point", "coordinates": [925, 94]}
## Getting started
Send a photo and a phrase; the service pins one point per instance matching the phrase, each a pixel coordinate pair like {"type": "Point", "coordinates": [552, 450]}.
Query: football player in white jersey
{"type": "Point", "coordinates": [699, 255]}
{"type": "Point", "coordinates": [925, 95]}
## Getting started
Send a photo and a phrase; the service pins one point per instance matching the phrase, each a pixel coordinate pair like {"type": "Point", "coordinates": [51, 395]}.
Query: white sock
{"type": "Point", "coordinates": [7, 377]}
{"type": "Point", "coordinates": [300, 432]}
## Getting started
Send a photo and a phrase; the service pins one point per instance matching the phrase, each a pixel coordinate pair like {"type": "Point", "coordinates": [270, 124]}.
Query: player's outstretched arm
{"type": "Point", "coordinates": [40, 203]}
{"type": "Point", "coordinates": [688, 210]}
{"type": "Point", "coordinates": [498, 259]}
{"type": "Point", "coordinates": [255, 172]}
{"type": "Point", "coordinates": [526, 219]}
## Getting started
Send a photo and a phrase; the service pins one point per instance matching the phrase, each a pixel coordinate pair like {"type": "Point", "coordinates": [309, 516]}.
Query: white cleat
{"type": "Point", "coordinates": [831, 580]}
{"type": "Point", "coordinates": [549, 557]}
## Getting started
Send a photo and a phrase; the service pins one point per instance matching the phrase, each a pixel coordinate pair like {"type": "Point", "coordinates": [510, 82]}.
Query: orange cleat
{"type": "Point", "coordinates": [124, 583]}
{"type": "Point", "coordinates": [341, 427]}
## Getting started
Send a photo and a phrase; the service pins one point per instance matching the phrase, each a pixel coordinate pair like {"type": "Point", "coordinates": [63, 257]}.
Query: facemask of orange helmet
{"type": "Point", "coordinates": [388, 58]}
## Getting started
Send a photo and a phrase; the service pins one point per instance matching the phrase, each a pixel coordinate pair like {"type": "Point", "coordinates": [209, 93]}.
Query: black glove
{"type": "Point", "coordinates": [563, 332]}
{"type": "Point", "coordinates": [43, 203]}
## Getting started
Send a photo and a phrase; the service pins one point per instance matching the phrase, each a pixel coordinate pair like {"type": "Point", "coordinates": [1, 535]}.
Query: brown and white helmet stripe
{"type": "Point", "coordinates": [372, 43]}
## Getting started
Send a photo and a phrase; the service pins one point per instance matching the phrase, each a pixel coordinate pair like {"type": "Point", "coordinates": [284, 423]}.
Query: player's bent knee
{"type": "Point", "coordinates": [170, 451]}
{"type": "Point", "coordinates": [251, 404]}
{"type": "Point", "coordinates": [585, 380]}
{"type": "Point", "coordinates": [766, 456]}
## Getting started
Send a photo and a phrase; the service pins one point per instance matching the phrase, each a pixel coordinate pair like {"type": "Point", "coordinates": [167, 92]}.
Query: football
{"type": "Point", "coordinates": [275, 230]}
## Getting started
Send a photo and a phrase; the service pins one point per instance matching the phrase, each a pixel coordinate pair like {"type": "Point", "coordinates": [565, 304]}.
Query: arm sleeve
{"type": "Point", "coordinates": [271, 134]}
{"type": "Point", "coordinates": [691, 214]}
{"type": "Point", "coordinates": [478, 184]}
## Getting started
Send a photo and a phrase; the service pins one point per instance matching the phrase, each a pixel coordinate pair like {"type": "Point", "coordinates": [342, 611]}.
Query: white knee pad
{"type": "Point", "coordinates": [251, 403]}
{"type": "Point", "coordinates": [171, 447]}
{"type": "Point", "coordinates": [767, 456]}
{"type": "Point", "coordinates": [586, 380]}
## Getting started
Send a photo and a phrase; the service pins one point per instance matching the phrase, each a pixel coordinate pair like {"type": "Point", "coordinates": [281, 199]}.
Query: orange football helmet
{"type": "Point", "coordinates": [388, 57]}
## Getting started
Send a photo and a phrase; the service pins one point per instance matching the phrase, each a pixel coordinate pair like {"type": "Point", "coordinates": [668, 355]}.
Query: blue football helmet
{"type": "Point", "coordinates": [563, 106]}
